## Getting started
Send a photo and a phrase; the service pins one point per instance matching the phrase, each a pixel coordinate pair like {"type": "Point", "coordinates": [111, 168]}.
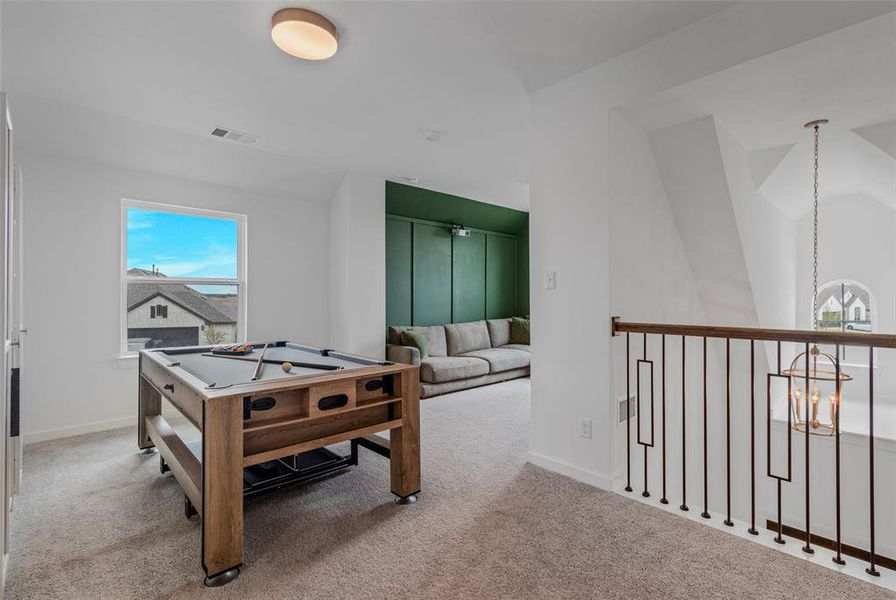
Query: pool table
{"type": "Point", "coordinates": [271, 418]}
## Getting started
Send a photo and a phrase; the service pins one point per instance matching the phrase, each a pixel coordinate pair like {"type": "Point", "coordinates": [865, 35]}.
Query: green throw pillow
{"type": "Point", "coordinates": [519, 331]}
{"type": "Point", "coordinates": [409, 337]}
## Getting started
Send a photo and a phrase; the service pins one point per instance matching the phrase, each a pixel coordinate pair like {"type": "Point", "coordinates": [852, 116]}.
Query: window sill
{"type": "Point", "coordinates": [127, 361]}
{"type": "Point", "coordinates": [854, 426]}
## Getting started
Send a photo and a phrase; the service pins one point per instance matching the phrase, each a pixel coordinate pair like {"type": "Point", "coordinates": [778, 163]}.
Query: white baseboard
{"type": "Point", "coordinates": [589, 477]}
{"type": "Point", "coordinates": [64, 432]}
{"type": "Point", "coordinates": [3, 576]}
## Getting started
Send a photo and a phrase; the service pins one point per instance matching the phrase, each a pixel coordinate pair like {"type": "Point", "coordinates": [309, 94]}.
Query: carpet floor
{"type": "Point", "coordinates": [96, 520]}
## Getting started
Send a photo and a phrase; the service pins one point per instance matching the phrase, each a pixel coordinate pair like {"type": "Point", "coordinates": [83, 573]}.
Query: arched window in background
{"type": "Point", "coordinates": [844, 306]}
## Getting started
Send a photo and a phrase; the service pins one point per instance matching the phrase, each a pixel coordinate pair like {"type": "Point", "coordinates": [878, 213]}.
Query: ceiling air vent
{"type": "Point", "coordinates": [234, 136]}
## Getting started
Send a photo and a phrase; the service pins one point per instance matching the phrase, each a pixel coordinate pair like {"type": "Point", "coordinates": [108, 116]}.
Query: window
{"type": "Point", "coordinates": [183, 276]}
{"type": "Point", "coordinates": [844, 306]}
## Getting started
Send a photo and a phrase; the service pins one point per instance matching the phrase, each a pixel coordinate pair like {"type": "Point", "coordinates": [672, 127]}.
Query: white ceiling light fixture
{"type": "Point", "coordinates": [304, 34]}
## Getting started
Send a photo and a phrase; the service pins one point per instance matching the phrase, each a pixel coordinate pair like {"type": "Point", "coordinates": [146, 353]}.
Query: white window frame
{"type": "Point", "coordinates": [856, 283]}
{"type": "Point", "coordinates": [241, 265]}
{"type": "Point", "coordinates": [849, 362]}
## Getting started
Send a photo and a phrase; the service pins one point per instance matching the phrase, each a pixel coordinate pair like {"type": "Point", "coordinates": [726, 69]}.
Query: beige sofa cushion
{"type": "Point", "coordinates": [438, 369]}
{"type": "Point", "coordinates": [501, 359]}
{"type": "Point", "coordinates": [465, 337]}
{"type": "Point", "coordinates": [523, 347]}
{"type": "Point", "coordinates": [498, 332]}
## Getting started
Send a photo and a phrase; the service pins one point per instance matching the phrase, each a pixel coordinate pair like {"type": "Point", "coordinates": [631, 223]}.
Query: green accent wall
{"type": "Point", "coordinates": [399, 250]}
{"type": "Point", "coordinates": [418, 203]}
{"type": "Point", "coordinates": [468, 273]}
{"type": "Point", "coordinates": [433, 277]}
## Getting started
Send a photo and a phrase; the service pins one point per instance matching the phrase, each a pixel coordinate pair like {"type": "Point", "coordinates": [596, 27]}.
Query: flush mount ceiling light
{"type": "Point", "coordinates": [304, 34]}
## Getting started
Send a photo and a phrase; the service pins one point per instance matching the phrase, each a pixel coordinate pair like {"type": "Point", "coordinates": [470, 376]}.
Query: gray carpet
{"type": "Point", "coordinates": [96, 520]}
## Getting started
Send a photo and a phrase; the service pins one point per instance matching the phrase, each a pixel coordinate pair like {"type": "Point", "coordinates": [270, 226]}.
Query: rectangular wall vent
{"type": "Point", "coordinates": [240, 137]}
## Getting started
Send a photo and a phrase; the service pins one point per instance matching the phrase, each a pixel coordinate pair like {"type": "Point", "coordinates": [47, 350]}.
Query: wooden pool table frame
{"type": "Point", "coordinates": [379, 397]}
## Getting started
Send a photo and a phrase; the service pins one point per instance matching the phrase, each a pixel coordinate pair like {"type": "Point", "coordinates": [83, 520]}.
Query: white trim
{"type": "Point", "coordinates": [241, 268]}
{"type": "Point", "coordinates": [127, 361]}
{"type": "Point", "coordinates": [3, 575]}
{"type": "Point", "coordinates": [94, 427]}
{"type": "Point", "coordinates": [856, 283]}
{"type": "Point", "coordinates": [64, 432]}
{"type": "Point", "coordinates": [186, 210]}
{"type": "Point", "coordinates": [853, 438]}
{"type": "Point", "coordinates": [558, 466]}
{"type": "Point", "coordinates": [822, 557]}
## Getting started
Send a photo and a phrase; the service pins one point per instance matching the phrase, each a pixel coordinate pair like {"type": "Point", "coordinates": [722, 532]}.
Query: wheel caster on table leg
{"type": "Point", "coordinates": [222, 578]}
{"type": "Point", "coordinates": [163, 466]}
{"type": "Point", "coordinates": [406, 499]}
{"type": "Point", "coordinates": [189, 509]}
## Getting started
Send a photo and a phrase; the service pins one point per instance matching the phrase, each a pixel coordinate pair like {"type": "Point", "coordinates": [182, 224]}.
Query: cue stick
{"type": "Point", "coordinates": [260, 364]}
{"type": "Point", "coordinates": [271, 361]}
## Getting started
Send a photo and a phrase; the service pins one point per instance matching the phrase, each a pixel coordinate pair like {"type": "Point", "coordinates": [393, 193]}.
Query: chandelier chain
{"type": "Point", "coordinates": [815, 238]}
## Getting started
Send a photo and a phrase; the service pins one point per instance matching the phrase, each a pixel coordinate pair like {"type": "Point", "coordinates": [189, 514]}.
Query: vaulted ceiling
{"type": "Point", "coordinates": [141, 84]}
{"type": "Point", "coordinates": [847, 76]}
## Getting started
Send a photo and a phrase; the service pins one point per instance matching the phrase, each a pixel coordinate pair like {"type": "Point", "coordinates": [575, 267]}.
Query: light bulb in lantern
{"type": "Point", "coordinates": [815, 397]}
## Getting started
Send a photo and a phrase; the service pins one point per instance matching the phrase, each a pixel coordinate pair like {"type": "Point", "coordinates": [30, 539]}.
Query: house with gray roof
{"type": "Point", "coordinates": [164, 314]}
{"type": "Point", "coordinates": [844, 304]}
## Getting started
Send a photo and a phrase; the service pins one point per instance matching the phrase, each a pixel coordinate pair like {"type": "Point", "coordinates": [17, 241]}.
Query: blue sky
{"type": "Point", "coordinates": [182, 245]}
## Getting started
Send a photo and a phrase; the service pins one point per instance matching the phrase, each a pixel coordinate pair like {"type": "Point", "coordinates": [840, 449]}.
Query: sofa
{"type": "Point", "coordinates": [461, 355]}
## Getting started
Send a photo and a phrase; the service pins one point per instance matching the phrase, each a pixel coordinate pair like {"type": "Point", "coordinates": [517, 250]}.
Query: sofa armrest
{"type": "Point", "coordinates": [408, 355]}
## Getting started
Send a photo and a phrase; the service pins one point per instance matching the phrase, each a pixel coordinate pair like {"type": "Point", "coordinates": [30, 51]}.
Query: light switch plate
{"type": "Point", "coordinates": [550, 280]}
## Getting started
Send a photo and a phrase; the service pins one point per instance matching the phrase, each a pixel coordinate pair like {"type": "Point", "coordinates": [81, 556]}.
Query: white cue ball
{"type": "Point", "coordinates": [287, 367]}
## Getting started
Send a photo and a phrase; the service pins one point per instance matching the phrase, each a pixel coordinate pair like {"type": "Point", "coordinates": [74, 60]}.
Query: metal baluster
{"type": "Point", "coordinates": [728, 520]}
{"type": "Point", "coordinates": [768, 442]}
{"type": "Point", "coordinates": [684, 462]}
{"type": "Point", "coordinates": [645, 493]}
{"type": "Point", "coordinates": [871, 570]}
{"type": "Point", "coordinates": [836, 420]}
{"type": "Point", "coordinates": [705, 514]}
{"type": "Point", "coordinates": [752, 528]}
{"type": "Point", "coordinates": [628, 421]}
{"type": "Point", "coordinates": [808, 547]}
{"type": "Point", "coordinates": [664, 500]}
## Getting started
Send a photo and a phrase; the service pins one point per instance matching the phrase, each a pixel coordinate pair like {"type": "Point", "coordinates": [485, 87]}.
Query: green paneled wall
{"type": "Point", "coordinates": [468, 277]}
{"type": "Point", "coordinates": [501, 273]}
{"type": "Point", "coordinates": [418, 203]}
{"type": "Point", "coordinates": [433, 277]}
{"type": "Point", "coordinates": [431, 274]}
{"type": "Point", "coordinates": [399, 253]}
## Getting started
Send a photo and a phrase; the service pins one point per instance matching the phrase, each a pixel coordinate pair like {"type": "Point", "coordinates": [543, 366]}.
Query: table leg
{"type": "Point", "coordinates": [404, 463]}
{"type": "Point", "coordinates": [222, 490]}
{"type": "Point", "coordinates": [149, 404]}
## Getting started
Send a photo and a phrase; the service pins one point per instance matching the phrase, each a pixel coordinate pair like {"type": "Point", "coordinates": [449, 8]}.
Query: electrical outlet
{"type": "Point", "coordinates": [585, 428]}
{"type": "Point", "coordinates": [622, 409]}
{"type": "Point", "coordinates": [550, 280]}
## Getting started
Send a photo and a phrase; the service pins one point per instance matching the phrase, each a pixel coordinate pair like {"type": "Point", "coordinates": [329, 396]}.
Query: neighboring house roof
{"type": "Point", "coordinates": [210, 308]}
{"type": "Point", "coordinates": [144, 273]}
{"type": "Point", "coordinates": [857, 293]}
{"type": "Point", "coordinates": [226, 303]}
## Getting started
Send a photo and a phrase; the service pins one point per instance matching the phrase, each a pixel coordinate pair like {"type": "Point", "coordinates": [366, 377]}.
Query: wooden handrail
{"type": "Point", "coordinates": [866, 340]}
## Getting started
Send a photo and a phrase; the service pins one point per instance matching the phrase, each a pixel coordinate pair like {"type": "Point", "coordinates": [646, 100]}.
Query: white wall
{"type": "Point", "coordinates": [652, 281]}
{"type": "Point", "coordinates": [357, 248]}
{"type": "Point", "coordinates": [72, 241]}
{"type": "Point", "coordinates": [569, 228]}
{"type": "Point", "coordinates": [857, 241]}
